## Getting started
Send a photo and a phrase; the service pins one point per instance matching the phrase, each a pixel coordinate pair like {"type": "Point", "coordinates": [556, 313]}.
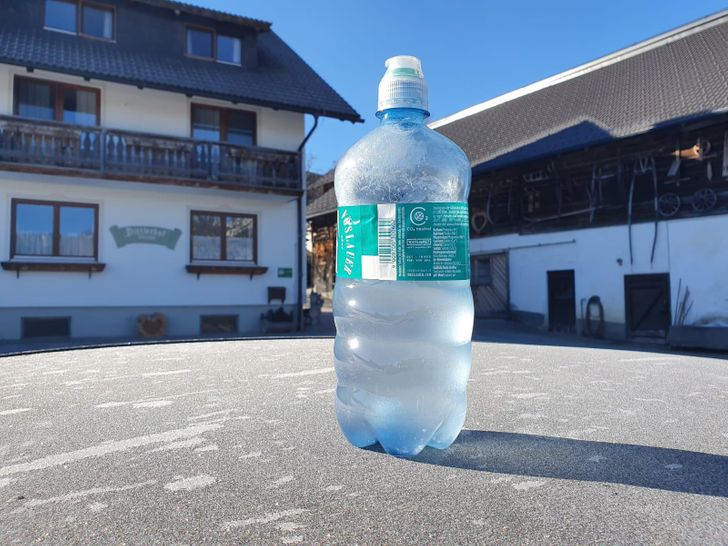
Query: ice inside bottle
{"type": "Point", "coordinates": [402, 302]}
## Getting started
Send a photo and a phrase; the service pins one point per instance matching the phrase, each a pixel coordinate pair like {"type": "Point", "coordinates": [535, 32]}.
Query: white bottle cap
{"type": "Point", "coordinates": [403, 84]}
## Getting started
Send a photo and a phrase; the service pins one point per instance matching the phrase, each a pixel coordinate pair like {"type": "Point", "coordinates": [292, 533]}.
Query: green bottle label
{"type": "Point", "coordinates": [403, 242]}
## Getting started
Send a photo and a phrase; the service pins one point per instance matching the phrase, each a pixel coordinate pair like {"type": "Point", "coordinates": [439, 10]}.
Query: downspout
{"type": "Point", "coordinates": [301, 243]}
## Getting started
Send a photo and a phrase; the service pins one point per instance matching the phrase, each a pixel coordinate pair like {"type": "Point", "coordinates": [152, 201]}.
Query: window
{"type": "Point", "coordinates": [199, 42]}
{"type": "Point", "coordinates": [223, 237]}
{"type": "Point", "coordinates": [46, 327]}
{"type": "Point", "coordinates": [94, 20]}
{"type": "Point", "coordinates": [61, 15]}
{"type": "Point", "coordinates": [218, 324]}
{"type": "Point", "coordinates": [97, 21]}
{"type": "Point", "coordinates": [228, 49]}
{"type": "Point", "coordinates": [225, 125]}
{"type": "Point", "coordinates": [480, 271]}
{"type": "Point", "coordinates": [205, 43]}
{"type": "Point", "coordinates": [53, 101]}
{"type": "Point", "coordinates": [52, 229]}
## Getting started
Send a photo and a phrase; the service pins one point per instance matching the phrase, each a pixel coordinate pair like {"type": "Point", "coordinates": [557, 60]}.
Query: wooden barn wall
{"type": "Point", "coordinates": [678, 173]}
{"type": "Point", "coordinates": [323, 265]}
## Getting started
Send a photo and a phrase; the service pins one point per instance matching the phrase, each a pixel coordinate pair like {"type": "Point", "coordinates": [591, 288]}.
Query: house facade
{"type": "Point", "coordinates": [599, 200]}
{"type": "Point", "coordinates": [150, 169]}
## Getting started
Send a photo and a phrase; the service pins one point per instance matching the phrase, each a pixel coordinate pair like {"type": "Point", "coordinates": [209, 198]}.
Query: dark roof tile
{"type": "Point", "coordinates": [679, 77]}
{"type": "Point", "coordinates": [281, 80]}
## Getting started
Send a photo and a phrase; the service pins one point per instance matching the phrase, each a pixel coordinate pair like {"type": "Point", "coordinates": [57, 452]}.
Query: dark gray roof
{"type": "Point", "coordinates": [207, 12]}
{"type": "Point", "coordinates": [321, 196]}
{"type": "Point", "coordinates": [281, 80]}
{"type": "Point", "coordinates": [670, 79]}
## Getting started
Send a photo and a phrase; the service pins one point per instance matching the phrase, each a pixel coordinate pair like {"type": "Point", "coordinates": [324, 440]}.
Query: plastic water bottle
{"type": "Point", "coordinates": [402, 304]}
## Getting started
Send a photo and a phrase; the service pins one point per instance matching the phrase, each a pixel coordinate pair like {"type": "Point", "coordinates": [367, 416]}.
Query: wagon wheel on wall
{"type": "Point", "coordinates": [668, 204]}
{"type": "Point", "coordinates": [704, 200]}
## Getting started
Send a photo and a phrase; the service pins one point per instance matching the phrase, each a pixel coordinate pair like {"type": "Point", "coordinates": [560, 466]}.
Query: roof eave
{"type": "Point", "coordinates": [343, 116]}
{"type": "Point", "coordinates": [257, 24]}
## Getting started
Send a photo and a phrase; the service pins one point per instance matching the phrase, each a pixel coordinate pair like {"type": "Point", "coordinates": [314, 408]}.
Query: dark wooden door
{"type": "Point", "coordinates": [489, 281]}
{"type": "Point", "coordinates": [647, 305]}
{"type": "Point", "coordinates": [562, 301]}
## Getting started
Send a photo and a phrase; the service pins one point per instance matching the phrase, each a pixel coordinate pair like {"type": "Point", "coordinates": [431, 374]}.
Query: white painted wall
{"type": "Point", "coordinates": [148, 275]}
{"type": "Point", "coordinates": [161, 112]}
{"type": "Point", "coordinates": [693, 250]}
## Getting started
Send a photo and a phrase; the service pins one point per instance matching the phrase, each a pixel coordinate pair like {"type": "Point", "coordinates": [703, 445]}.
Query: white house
{"type": "Point", "coordinates": [150, 164]}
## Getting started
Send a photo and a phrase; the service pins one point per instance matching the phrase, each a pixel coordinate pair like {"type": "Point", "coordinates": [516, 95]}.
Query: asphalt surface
{"type": "Point", "coordinates": [236, 442]}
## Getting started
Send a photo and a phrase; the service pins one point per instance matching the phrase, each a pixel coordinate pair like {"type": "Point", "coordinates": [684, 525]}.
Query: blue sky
{"type": "Point", "coordinates": [471, 50]}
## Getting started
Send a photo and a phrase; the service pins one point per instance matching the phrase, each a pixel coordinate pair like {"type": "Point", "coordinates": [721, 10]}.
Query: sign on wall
{"type": "Point", "coordinates": [285, 272]}
{"type": "Point", "coordinates": [148, 235]}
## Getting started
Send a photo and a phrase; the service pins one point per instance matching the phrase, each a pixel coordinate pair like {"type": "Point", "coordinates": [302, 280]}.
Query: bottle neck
{"type": "Point", "coordinates": [402, 115]}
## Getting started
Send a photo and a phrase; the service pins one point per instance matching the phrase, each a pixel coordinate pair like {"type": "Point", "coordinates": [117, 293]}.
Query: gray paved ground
{"type": "Point", "coordinates": [237, 442]}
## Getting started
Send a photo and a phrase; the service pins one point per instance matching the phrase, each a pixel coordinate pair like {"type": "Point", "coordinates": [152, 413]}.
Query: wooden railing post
{"type": "Point", "coordinates": [102, 150]}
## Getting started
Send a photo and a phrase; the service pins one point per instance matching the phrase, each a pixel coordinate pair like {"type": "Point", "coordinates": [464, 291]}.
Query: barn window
{"type": "Point", "coordinates": [480, 273]}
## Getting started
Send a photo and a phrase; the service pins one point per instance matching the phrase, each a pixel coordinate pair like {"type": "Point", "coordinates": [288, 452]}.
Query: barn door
{"type": "Point", "coordinates": [647, 305]}
{"type": "Point", "coordinates": [562, 301]}
{"type": "Point", "coordinates": [489, 281]}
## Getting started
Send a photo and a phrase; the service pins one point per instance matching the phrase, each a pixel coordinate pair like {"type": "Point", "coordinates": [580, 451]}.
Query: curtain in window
{"type": "Point", "coordinates": [239, 237]}
{"type": "Point", "coordinates": [79, 107]}
{"type": "Point", "coordinates": [34, 230]}
{"type": "Point", "coordinates": [205, 124]}
{"type": "Point", "coordinates": [206, 240]}
{"type": "Point", "coordinates": [108, 24]}
{"type": "Point", "coordinates": [77, 231]}
{"type": "Point", "coordinates": [35, 100]}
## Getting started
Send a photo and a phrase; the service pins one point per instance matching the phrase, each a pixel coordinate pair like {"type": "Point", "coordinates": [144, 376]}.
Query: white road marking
{"type": "Point", "coordinates": [87, 493]}
{"type": "Point", "coordinates": [532, 484]}
{"type": "Point", "coordinates": [262, 520]}
{"type": "Point", "coordinates": [280, 481]}
{"type": "Point", "coordinates": [14, 411]}
{"type": "Point", "coordinates": [647, 359]}
{"type": "Point", "coordinates": [529, 395]}
{"type": "Point", "coordinates": [192, 442]}
{"type": "Point", "coordinates": [106, 448]}
{"type": "Point", "coordinates": [189, 484]}
{"type": "Point", "coordinates": [113, 404]}
{"type": "Point", "coordinates": [316, 371]}
{"type": "Point", "coordinates": [153, 404]}
{"type": "Point", "coordinates": [172, 372]}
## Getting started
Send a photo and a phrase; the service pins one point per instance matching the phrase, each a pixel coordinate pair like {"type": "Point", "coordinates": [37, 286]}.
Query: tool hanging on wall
{"type": "Point", "coordinates": [697, 151]}
{"type": "Point", "coordinates": [643, 165]}
{"type": "Point", "coordinates": [656, 209]}
{"type": "Point", "coordinates": [629, 213]}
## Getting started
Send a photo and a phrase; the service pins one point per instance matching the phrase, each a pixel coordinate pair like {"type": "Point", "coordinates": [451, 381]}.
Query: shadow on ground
{"type": "Point", "coordinates": [570, 459]}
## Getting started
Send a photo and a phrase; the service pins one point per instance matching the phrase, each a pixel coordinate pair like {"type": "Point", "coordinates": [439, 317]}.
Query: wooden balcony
{"type": "Point", "coordinates": [59, 148]}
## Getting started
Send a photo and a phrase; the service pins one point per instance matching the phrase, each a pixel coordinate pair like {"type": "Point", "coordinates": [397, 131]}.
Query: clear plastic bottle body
{"type": "Point", "coordinates": [402, 349]}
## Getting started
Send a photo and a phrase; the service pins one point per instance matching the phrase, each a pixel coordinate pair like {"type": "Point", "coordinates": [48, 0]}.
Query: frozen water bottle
{"type": "Point", "coordinates": [402, 303]}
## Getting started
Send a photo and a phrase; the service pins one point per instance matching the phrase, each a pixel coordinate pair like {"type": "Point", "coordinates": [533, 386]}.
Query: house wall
{"type": "Point", "coordinates": [143, 278]}
{"type": "Point", "coordinates": [160, 112]}
{"type": "Point", "coordinates": [691, 250]}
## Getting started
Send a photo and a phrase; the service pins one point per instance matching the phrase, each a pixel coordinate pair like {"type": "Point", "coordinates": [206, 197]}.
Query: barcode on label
{"type": "Point", "coordinates": [386, 241]}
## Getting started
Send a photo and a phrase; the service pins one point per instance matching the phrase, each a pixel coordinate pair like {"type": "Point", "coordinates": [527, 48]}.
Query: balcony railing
{"type": "Point", "coordinates": [116, 153]}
